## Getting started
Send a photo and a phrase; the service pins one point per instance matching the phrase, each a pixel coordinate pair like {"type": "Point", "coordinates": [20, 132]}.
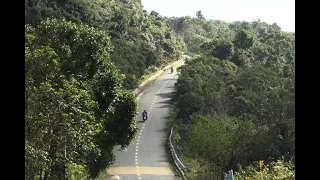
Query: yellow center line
{"type": "Point", "coordinates": [142, 170]}
{"type": "Point", "coordinates": [137, 147]}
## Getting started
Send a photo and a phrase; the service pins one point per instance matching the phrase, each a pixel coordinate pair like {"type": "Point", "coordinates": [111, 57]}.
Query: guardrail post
{"type": "Point", "coordinates": [230, 175]}
{"type": "Point", "coordinates": [182, 166]}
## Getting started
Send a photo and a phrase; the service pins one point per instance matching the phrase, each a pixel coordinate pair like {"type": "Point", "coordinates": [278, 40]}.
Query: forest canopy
{"type": "Point", "coordinates": [234, 105]}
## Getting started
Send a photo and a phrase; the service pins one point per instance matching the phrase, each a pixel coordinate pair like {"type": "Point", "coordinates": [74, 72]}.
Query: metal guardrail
{"type": "Point", "coordinates": [184, 167]}
{"type": "Point", "coordinates": [181, 165]}
{"type": "Point", "coordinates": [230, 175]}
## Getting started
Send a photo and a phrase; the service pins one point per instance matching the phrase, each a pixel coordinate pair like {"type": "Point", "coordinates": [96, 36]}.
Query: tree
{"type": "Point", "coordinates": [243, 39]}
{"type": "Point", "coordinates": [220, 48]}
{"type": "Point", "coordinates": [73, 94]}
{"type": "Point", "coordinates": [154, 13]}
{"type": "Point", "coordinates": [254, 101]}
{"type": "Point", "coordinates": [281, 169]}
{"type": "Point", "coordinates": [221, 141]}
{"type": "Point", "coordinates": [199, 15]}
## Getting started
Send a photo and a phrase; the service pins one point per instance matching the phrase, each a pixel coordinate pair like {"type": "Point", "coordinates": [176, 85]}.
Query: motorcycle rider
{"type": "Point", "coordinates": [145, 114]}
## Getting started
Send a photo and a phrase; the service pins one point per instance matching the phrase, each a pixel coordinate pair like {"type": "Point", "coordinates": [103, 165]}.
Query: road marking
{"type": "Point", "coordinates": [146, 170]}
{"type": "Point", "coordinates": [142, 170]}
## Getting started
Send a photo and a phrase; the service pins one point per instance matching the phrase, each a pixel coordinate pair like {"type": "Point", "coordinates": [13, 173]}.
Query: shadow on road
{"type": "Point", "coordinates": [170, 87]}
{"type": "Point", "coordinates": [140, 121]}
{"type": "Point", "coordinates": [162, 130]}
{"type": "Point", "coordinates": [165, 106]}
{"type": "Point", "coordinates": [168, 101]}
{"type": "Point", "coordinates": [166, 117]}
{"type": "Point", "coordinates": [164, 158]}
{"type": "Point", "coordinates": [165, 95]}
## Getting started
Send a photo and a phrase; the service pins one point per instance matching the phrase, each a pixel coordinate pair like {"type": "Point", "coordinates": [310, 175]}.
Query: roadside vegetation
{"type": "Point", "coordinates": [234, 104]}
{"type": "Point", "coordinates": [83, 59]}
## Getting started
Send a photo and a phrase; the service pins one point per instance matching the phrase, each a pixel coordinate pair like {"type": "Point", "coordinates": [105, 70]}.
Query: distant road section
{"type": "Point", "coordinates": [147, 157]}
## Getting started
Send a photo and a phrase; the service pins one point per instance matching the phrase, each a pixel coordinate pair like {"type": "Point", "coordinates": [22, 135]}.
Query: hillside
{"type": "Point", "coordinates": [234, 105]}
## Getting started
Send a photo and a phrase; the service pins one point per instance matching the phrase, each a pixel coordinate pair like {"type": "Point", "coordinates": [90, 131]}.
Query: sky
{"type": "Point", "coordinates": [281, 12]}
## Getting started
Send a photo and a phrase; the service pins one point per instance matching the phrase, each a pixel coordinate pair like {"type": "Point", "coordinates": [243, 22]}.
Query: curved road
{"type": "Point", "coordinates": [147, 156]}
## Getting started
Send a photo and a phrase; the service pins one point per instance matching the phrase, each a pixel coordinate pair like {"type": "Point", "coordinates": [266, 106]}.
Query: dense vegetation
{"type": "Point", "coordinates": [234, 104]}
{"type": "Point", "coordinates": [76, 110]}
{"type": "Point", "coordinates": [82, 59]}
{"type": "Point", "coordinates": [196, 31]}
{"type": "Point", "coordinates": [143, 42]}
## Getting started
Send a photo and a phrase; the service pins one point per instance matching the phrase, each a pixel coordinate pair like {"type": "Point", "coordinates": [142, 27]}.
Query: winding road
{"type": "Point", "coordinates": [147, 156]}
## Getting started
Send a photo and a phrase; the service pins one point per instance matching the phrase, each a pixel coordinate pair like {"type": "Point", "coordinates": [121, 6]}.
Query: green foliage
{"type": "Point", "coordinates": [243, 43]}
{"type": "Point", "coordinates": [76, 108]}
{"type": "Point", "coordinates": [199, 15]}
{"type": "Point", "coordinates": [142, 40]}
{"type": "Point", "coordinates": [219, 141]}
{"type": "Point", "coordinates": [76, 171]}
{"type": "Point", "coordinates": [196, 31]}
{"type": "Point", "coordinates": [281, 169]}
{"type": "Point", "coordinates": [235, 102]}
{"type": "Point", "coordinates": [244, 39]}
{"type": "Point", "coordinates": [73, 92]}
{"type": "Point", "coordinates": [220, 48]}
{"type": "Point", "coordinates": [200, 87]}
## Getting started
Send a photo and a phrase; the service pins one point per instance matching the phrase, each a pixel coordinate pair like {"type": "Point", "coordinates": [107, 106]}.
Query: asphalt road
{"type": "Point", "coordinates": [147, 157]}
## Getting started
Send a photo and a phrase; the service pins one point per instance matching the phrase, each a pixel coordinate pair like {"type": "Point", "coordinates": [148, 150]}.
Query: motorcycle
{"type": "Point", "coordinates": [144, 117]}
